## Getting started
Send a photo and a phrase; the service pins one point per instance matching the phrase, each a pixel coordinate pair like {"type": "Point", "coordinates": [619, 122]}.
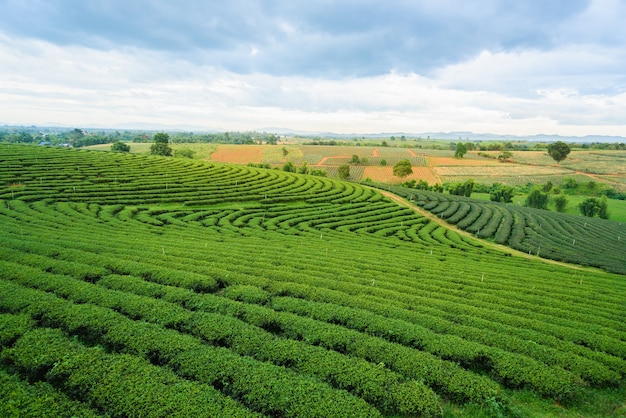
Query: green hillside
{"type": "Point", "coordinates": [563, 237]}
{"type": "Point", "coordinates": [145, 286]}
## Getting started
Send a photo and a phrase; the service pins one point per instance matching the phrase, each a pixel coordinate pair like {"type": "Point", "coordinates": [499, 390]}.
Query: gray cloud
{"type": "Point", "coordinates": [326, 38]}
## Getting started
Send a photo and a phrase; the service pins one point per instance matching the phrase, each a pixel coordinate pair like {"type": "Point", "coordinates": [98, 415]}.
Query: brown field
{"type": "Point", "coordinates": [451, 161]}
{"type": "Point", "coordinates": [238, 154]}
{"type": "Point", "coordinates": [385, 175]}
{"type": "Point", "coordinates": [498, 170]}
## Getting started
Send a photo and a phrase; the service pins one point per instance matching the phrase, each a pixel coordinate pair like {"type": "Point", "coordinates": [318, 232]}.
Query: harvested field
{"type": "Point", "coordinates": [385, 174]}
{"type": "Point", "coordinates": [499, 170]}
{"type": "Point", "coordinates": [451, 161]}
{"type": "Point", "coordinates": [239, 154]}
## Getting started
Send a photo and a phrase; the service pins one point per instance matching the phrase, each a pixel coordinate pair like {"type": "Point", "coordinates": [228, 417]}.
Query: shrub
{"type": "Point", "coordinates": [537, 199]}
{"type": "Point", "coordinates": [561, 203]}
{"type": "Point", "coordinates": [120, 146]}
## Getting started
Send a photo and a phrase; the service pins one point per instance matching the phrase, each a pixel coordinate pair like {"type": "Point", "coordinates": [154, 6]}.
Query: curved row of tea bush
{"type": "Point", "coordinates": [562, 237]}
{"type": "Point", "coordinates": [374, 384]}
{"type": "Point", "coordinates": [265, 388]}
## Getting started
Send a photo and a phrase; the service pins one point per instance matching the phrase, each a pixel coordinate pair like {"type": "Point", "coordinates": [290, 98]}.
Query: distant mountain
{"type": "Point", "coordinates": [453, 136]}
{"type": "Point", "coordinates": [471, 136]}
{"type": "Point", "coordinates": [163, 127]}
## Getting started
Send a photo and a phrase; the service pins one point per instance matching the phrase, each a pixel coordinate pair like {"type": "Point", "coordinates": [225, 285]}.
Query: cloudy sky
{"type": "Point", "coordinates": [347, 66]}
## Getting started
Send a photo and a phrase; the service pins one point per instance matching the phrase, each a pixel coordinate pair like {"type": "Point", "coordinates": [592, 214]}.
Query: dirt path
{"type": "Point", "coordinates": [413, 154]}
{"type": "Point", "coordinates": [492, 245]}
{"type": "Point", "coordinates": [324, 159]}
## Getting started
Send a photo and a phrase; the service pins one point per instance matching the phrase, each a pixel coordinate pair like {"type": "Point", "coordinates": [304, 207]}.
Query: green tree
{"type": "Point", "coordinates": [461, 150]}
{"type": "Point", "coordinates": [569, 183]}
{"type": "Point", "coordinates": [289, 167]}
{"type": "Point", "coordinates": [355, 159]}
{"type": "Point", "coordinates": [318, 172]}
{"type": "Point", "coordinates": [462, 189]}
{"type": "Point", "coordinates": [75, 134]}
{"type": "Point", "coordinates": [304, 169]}
{"type": "Point", "coordinates": [161, 145]}
{"type": "Point", "coordinates": [558, 151]}
{"type": "Point", "coordinates": [437, 188]}
{"type": "Point", "coordinates": [343, 172]}
{"type": "Point", "coordinates": [547, 187]}
{"type": "Point", "coordinates": [537, 199]}
{"type": "Point", "coordinates": [285, 152]}
{"type": "Point", "coordinates": [119, 146]}
{"type": "Point", "coordinates": [422, 185]}
{"type": "Point", "coordinates": [560, 202]}
{"type": "Point", "coordinates": [591, 186]}
{"type": "Point", "coordinates": [184, 153]}
{"type": "Point", "coordinates": [501, 193]}
{"type": "Point", "coordinates": [402, 169]}
{"type": "Point", "coordinates": [589, 207]}
{"type": "Point", "coordinates": [383, 162]}
{"type": "Point", "coordinates": [504, 156]}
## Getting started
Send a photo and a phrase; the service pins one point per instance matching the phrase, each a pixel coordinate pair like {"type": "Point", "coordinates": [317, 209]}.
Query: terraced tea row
{"type": "Point", "coordinates": [562, 237]}
{"type": "Point", "coordinates": [263, 292]}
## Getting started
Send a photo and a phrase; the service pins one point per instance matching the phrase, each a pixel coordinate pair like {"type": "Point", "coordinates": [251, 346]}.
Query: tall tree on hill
{"type": "Point", "coordinates": [402, 168]}
{"type": "Point", "coordinates": [558, 151]}
{"type": "Point", "coordinates": [461, 150]}
{"type": "Point", "coordinates": [160, 146]}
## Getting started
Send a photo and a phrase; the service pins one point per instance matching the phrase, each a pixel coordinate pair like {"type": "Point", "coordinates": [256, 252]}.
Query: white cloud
{"type": "Point", "coordinates": [495, 92]}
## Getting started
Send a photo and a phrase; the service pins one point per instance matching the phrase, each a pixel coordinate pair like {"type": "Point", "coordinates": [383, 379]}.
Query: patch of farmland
{"type": "Point", "coordinates": [372, 161]}
{"type": "Point", "coordinates": [463, 162]}
{"type": "Point", "coordinates": [433, 152]}
{"type": "Point", "coordinates": [394, 152]}
{"type": "Point", "coordinates": [356, 172]}
{"type": "Point", "coordinates": [238, 154]}
{"type": "Point", "coordinates": [500, 170]}
{"type": "Point", "coordinates": [333, 151]}
{"type": "Point", "coordinates": [385, 175]}
{"type": "Point", "coordinates": [595, 162]}
{"type": "Point", "coordinates": [147, 286]}
{"type": "Point", "coordinates": [518, 180]}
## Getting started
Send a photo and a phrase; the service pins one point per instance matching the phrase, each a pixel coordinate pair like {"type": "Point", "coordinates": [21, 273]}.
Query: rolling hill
{"type": "Point", "coordinates": [147, 286]}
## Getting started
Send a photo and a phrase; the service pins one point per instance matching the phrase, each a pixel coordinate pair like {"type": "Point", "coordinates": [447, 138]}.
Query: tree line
{"type": "Point", "coordinates": [77, 137]}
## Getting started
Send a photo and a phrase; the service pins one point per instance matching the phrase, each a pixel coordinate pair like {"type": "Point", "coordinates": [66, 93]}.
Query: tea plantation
{"type": "Point", "coordinates": [563, 237]}
{"type": "Point", "coordinates": [136, 286]}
